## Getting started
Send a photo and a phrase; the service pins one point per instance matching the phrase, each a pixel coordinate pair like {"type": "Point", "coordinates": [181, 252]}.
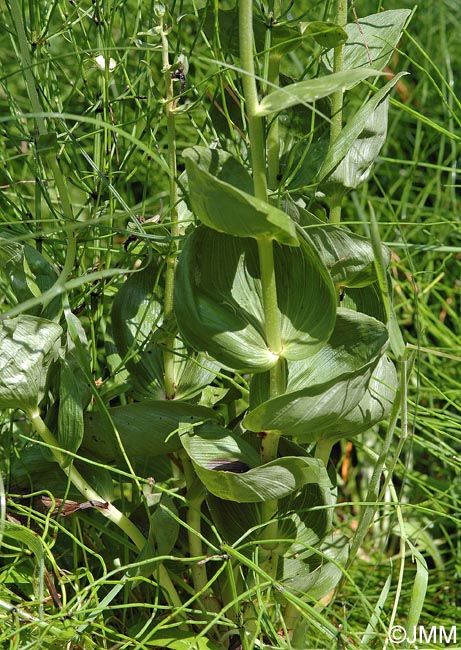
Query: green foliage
{"type": "Point", "coordinates": [201, 367]}
{"type": "Point", "coordinates": [28, 347]}
{"type": "Point", "coordinates": [223, 206]}
{"type": "Point", "coordinates": [219, 300]}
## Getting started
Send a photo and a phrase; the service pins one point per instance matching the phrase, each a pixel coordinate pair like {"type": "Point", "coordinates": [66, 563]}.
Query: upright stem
{"type": "Point", "coordinates": [168, 354]}
{"type": "Point", "coordinates": [269, 444]}
{"type": "Point", "coordinates": [194, 520]}
{"type": "Point", "coordinates": [336, 124]}
{"type": "Point", "coordinates": [258, 158]}
{"type": "Point", "coordinates": [255, 122]}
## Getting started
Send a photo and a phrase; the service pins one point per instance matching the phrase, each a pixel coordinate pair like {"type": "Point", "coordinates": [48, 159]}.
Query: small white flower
{"type": "Point", "coordinates": [101, 63]}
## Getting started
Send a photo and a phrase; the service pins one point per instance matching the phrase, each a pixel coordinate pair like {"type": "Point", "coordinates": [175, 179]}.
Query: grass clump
{"type": "Point", "coordinates": [208, 267]}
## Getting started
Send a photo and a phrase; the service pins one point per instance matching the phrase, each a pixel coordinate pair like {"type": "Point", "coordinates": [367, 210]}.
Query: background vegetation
{"type": "Point", "coordinates": [115, 156]}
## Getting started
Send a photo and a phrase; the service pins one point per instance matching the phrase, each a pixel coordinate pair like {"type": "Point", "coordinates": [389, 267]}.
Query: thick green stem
{"type": "Point", "coordinates": [269, 446]}
{"type": "Point", "coordinates": [194, 521]}
{"type": "Point", "coordinates": [168, 354]}
{"type": "Point", "coordinates": [258, 158]}
{"type": "Point", "coordinates": [255, 122]}
{"type": "Point", "coordinates": [336, 124]}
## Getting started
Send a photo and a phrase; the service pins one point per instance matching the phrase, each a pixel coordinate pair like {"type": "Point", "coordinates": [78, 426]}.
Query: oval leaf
{"type": "Point", "coordinates": [314, 576]}
{"type": "Point", "coordinates": [307, 413]}
{"type": "Point", "coordinates": [235, 520]}
{"type": "Point", "coordinates": [148, 428]}
{"type": "Point", "coordinates": [356, 165]}
{"type": "Point", "coordinates": [29, 275]}
{"type": "Point", "coordinates": [356, 341]}
{"type": "Point", "coordinates": [229, 468]}
{"type": "Point", "coordinates": [375, 405]}
{"type": "Point", "coordinates": [348, 257]}
{"type": "Point", "coordinates": [28, 346]}
{"type": "Point", "coordinates": [304, 518]}
{"type": "Point", "coordinates": [368, 300]}
{"type": "Point", "coordinates": [353, 129]}
{"type": "Point", "coordinates": [228, 208]}
{"type": "Point", "coordinates": [139, 334]}
{"type": "Point", "coordinates": [310, 515]}
{"type": "Point", "coordinates": [326, 34]}
{"type": "Point", "coordinates": [375, 37]}
{"type": "Point", "coordinates": [71, 404]}
{"type": "Point", "coordinates": [218, 302]}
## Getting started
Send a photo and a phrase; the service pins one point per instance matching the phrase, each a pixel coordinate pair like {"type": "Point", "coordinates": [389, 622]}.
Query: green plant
{"type": "Point", "coordinates": [246, 346]}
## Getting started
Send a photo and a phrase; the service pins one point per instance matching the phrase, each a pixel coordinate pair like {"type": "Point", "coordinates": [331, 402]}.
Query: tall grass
{"type": "Point", "coordinates": [109, 129]}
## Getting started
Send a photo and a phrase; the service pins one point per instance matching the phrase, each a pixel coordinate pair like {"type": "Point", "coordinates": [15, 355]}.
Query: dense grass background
{"type": "Point", "coordinates": [114, 157]}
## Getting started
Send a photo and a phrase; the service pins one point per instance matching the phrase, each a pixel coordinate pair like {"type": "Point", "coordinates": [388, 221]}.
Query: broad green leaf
{"type": "Point", "coordinates": [222, 199]}
{"type": "Point", "coordinates": [28, 346]}
{"type": "Point", "coordinates": [317, 414]}
{"type": "Point", "coordinates": [74, 392]}
{"type": "Point", "coordinates": [147, 429]}
{"type": "Point", "coordinates": [284, 38]}
{"type": "Point", "coordinates": [356, 166]}
{"type": "Point", "coordinates": [218, 302]}
{"type": "Point", "coordinates": [304, 518]}
{"type": "Point", "coordinates": [311, 577]}
{"type": "Point", "coordinates": [139, 334]}
{"type": "Point", "coordinates": [348, 257]}
{"type": "Point", "coordinates": [229, 467]}
{"type": "Point", "coordinates": [17, 577]}
{"type": "Point", "coordinates": [307, 413]}
{"type": "Point", "coordinates": [33, 470]}
{"type": "Point", "coordinates": [78, 347]}
{"type": "Point", "coordinates": [100, 479]}
{"type": "Point", "coordinates": [22, 535]}
{"type": "Point", "coordinates": [304, 92]}
{"type": "Point", "coordinates": [71, 404]}
{"type": "Point", "coordinates": [375, 37]}
{"type": "Point", "coordinates": [221, 165]}
{"type": "Point", "coordinates": [29, 275]}
{"type": "Point", "coordinates": [309, 513]}
{"type": "Point", "coordinates": [326, 34]}
{"type": "Point", "coordinates": [367, 299]}
{"type": "Point", "coordinates": [355, 127]}
{"type": "Point", "coordinates": [235, 520]}
{"type": "Point", "coordinates": [356, 341]}
{"type": "Point", "coordinates": [157, 518]}
{"type": "Point", "coordinates": [375, 405]}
